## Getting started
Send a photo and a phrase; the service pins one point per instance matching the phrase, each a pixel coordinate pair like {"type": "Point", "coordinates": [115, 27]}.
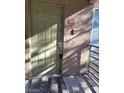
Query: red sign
{"type": "Point", "coordinates": [71, 22]}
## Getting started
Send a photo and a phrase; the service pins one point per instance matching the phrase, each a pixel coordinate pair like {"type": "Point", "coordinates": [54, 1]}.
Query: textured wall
{"type": "Point", "coordinates": [76, 52]}
{"type": "Point", "coordinates": [97, 4]}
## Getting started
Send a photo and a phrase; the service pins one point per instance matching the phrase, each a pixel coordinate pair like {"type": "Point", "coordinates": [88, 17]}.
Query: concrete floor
{"type": "Point", "coordinates": [69, 84]}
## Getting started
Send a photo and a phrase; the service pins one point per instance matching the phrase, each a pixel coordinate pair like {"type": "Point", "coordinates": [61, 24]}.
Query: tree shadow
{"type": "Point", "coordinates": [77, 55]}
{"type": "Point", "coordinates": [76, 51]}
{"type": "Point", "coordinates": [72, 64]}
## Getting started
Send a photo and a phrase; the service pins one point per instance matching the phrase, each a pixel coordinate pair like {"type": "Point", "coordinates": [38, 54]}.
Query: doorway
{"type": "Point", "coordinates": [46, 32]}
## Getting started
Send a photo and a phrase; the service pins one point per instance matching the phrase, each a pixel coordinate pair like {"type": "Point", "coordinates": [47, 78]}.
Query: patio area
{"type": "Point", "coordinates": [58, 83]}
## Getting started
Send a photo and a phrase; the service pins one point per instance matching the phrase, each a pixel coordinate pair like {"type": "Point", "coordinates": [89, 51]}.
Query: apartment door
{"type": "Point", "coordinates": [46, 33]}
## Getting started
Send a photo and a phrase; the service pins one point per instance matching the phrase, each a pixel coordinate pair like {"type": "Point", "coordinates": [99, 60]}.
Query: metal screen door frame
{"type": "Point", "coordinates": [60, 41]}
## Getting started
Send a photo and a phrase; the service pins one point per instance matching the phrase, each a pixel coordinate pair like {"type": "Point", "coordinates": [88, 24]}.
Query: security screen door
{"type": "Point", "coordinates": [46, 33]}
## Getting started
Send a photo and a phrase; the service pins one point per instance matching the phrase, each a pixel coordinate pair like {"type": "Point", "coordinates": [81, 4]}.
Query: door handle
{"type": "Point", "coordinates": [60, 47]}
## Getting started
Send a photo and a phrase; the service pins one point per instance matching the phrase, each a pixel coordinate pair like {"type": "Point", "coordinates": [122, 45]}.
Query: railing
{"type": "Point", "coordinates": [93, 66]}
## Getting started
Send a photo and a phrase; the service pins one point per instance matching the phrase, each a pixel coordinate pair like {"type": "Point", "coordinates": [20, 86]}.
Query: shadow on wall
{"type": "Point", "coordinates": [74, 6]}
{"type": "Point", "coordinates": [71, 6]}
{"type": "Point", "coordinates": [75, 47]}
{"type": "Point", "coordinates": [76, 51]}
{"type": "Point", "coordinates": [72, 63]}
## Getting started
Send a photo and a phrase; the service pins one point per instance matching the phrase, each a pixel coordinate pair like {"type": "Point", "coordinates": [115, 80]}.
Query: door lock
{"type": "Point", "coordinates": [60, 47]}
